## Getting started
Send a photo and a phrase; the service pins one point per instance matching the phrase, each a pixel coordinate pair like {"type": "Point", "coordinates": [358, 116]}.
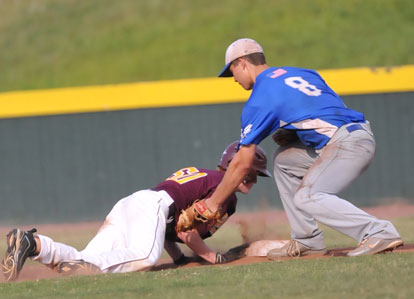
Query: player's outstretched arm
{"type": "Point", "coordinates": [193, 240]}
{"type": "Point", "coordinates": [235, 174]}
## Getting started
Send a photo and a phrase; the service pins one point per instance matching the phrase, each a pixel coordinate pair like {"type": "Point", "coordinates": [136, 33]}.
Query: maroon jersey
{"type": "Point", "coordinates": [189, 184]}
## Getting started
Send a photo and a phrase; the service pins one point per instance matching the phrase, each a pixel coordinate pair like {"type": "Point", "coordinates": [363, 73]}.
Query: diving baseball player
{"type": "Point", "coordinates": [139, 226]}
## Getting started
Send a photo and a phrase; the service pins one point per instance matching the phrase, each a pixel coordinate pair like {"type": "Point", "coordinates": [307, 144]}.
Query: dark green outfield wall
{"type": "Point", "coordinates": [75, 167]}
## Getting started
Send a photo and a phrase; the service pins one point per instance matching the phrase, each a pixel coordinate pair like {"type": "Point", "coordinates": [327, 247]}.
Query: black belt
{"type": "Point", "coordinates": [171, 211]}
{"type": "Point", "coordinates": [354, 127]}
{"type": "Point", "coordinates": [170, 219]}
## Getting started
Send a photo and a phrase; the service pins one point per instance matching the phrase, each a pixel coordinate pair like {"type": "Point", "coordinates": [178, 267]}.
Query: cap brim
{"type": "Point", "coordinates": [225, 72]}
{"type": "Point", "coordinates": [265, 173]}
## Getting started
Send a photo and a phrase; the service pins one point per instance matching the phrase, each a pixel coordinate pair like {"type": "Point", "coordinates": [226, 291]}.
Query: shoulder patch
{"type": "Point", "coordinates": [277, 73]}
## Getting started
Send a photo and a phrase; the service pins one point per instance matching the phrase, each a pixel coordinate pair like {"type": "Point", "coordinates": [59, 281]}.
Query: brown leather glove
{"type": "Point", "coordinates": [197, 213]}
{"type": "Point", "coordinates": [283, 137]}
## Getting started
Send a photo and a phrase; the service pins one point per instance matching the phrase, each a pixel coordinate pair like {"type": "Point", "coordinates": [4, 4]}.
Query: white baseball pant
{"type": "Point", "coordinates": [131, 238]}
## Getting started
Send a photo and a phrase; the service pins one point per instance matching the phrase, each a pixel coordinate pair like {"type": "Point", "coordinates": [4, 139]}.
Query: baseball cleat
{"type": "Point", "coordinates": [293, 249]}
{"type": "Point", "coordinates": [376, 245]}
{"type": "Point", "coordinates": [77, 267]}
{"type": "Point", "coordinates": [20, 245]}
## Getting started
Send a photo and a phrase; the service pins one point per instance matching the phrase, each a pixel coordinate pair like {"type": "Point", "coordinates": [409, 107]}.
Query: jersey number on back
{"type": "Point", "coordinates": [186, 175]}
{"type": "Point", "coordinates": [302, 85]}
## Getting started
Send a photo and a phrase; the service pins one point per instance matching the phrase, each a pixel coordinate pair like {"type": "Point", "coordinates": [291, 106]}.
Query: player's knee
{"type": "Point", "coordinates": [152, 260]}
{"type": "Point", "coordinates": [305, 196]}
{"type": "Point", "coordinates": [302, 197]}
{"type": "Point", "coordinates": [140, 265]}
{"type": "Point", "coordinates": [317, 196]}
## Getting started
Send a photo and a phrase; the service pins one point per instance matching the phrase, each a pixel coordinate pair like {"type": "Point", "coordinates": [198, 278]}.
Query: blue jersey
{"type": "Point", "coordinates": [294, 99]}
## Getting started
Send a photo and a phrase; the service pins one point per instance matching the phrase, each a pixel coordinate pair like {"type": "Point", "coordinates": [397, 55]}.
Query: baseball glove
{"type": "Point", "coordinates": [283, 137]}
{"type": "Point", "coordinates": [198, 212]}
{"type": "Point", "coordinates": [232, 254]}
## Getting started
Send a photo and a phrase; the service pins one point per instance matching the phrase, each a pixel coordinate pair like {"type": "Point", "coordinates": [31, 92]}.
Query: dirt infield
{"type": "Point", "coordinates": [36, 271]}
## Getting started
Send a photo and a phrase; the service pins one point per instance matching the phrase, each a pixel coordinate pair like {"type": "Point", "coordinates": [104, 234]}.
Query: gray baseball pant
{"type": "Point", "coordinates": [308, 181]}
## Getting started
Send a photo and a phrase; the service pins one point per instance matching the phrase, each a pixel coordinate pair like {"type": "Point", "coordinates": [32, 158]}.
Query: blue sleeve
{"type": "Point", "coordinates": [257, 124]}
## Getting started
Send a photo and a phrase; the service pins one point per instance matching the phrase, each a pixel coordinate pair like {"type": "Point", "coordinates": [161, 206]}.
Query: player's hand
{"type": "Point", "coordinates": [222, 258]}
{"type": "Point", "coordinates": [232, 254]}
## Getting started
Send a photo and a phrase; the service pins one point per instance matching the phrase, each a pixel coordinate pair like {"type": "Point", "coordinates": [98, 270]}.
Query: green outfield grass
{"type": "Point", "coordinates": [379, 276]}
{"type": "Point", "coordinates": [49, 43]}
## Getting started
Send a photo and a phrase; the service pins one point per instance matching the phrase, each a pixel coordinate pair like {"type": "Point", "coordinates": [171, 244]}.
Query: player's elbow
{"type": "Point", "coordinates": [242, 164]}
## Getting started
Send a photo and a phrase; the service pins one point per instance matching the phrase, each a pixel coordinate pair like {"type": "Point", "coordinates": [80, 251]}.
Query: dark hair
{"type": "Point", "coordinates": [254, 58]}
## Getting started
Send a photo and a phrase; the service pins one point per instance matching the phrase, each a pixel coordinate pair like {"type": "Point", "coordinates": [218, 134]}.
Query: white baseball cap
{"type": "Point", "coordinates": [239, 48]}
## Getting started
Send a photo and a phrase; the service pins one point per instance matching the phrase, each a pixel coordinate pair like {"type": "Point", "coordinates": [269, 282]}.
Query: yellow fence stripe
{"type": "Point", "coordinates": [186, 92]}
{"type": "Point", "coordinates": [370, 80]}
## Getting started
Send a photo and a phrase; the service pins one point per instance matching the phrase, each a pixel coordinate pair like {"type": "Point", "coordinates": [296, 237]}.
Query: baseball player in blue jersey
{"type": "Point", "coordinates": [323, 147]}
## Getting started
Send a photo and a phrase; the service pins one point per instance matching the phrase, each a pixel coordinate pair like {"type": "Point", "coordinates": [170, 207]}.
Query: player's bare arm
{"type": "Point", "coordinates": [193, 240]}
{"type": "Point", "coordinates": [235, 174]}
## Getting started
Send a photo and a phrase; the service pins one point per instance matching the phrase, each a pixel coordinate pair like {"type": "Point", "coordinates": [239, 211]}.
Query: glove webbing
{"type": "Point", "coordinates": [199, 210]}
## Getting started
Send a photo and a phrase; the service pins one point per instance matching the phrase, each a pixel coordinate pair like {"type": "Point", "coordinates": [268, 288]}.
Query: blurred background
{"type": "Point", "coordinates": [73, 167]}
